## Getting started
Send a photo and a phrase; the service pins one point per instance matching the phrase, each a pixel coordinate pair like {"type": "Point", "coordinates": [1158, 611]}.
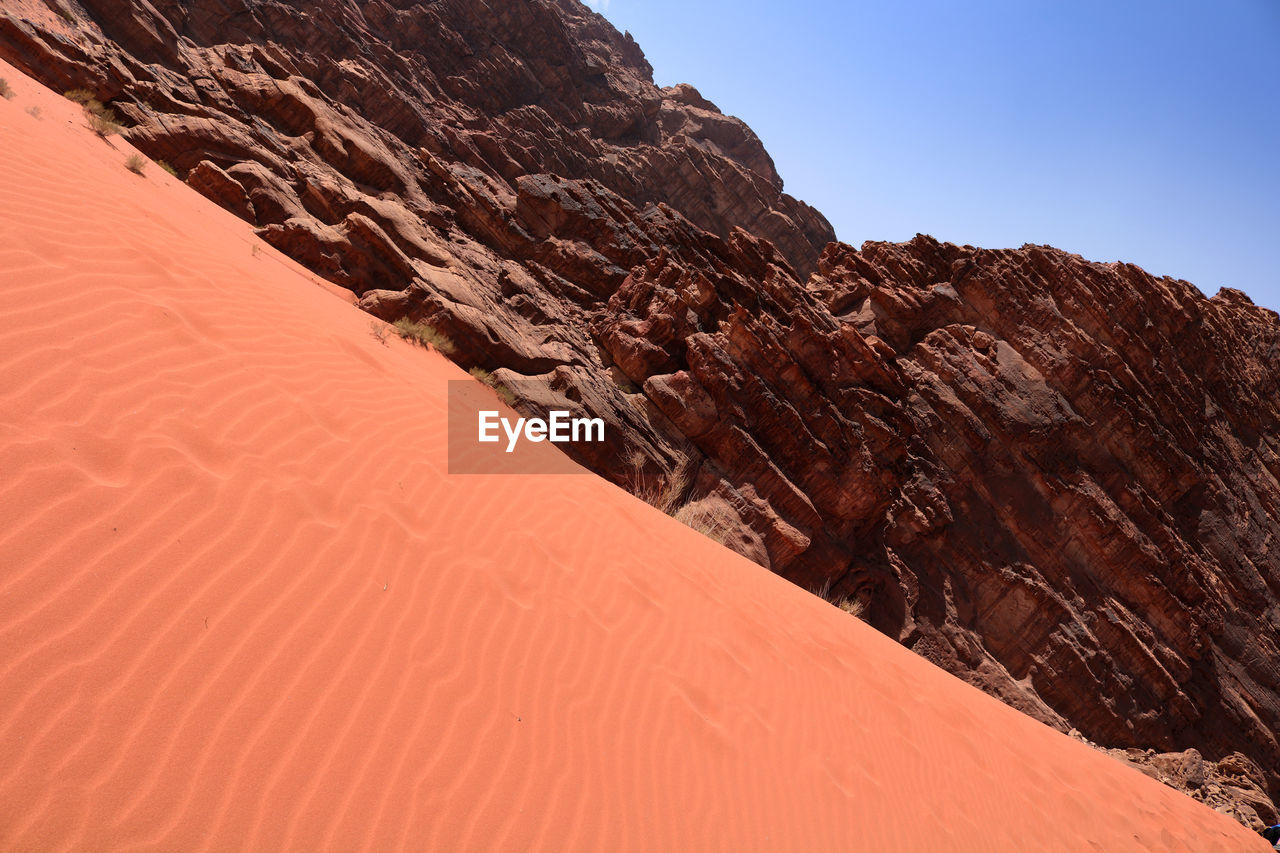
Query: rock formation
{"type": "Point", "coordinates": [1055, 478]}
{"type": "Point", "coordinates": [1234, 785]}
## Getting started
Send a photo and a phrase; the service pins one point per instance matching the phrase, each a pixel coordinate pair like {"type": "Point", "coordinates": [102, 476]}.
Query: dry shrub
{"type": "Point", "coordinates": [852, 606]}
{"type": "Point", "coordinates": [424, 334]}
{"type": "Point", "coordinates": [848, 604]}
{"type": "Point", "coordinates": [6, 91]}
{"type": "Point", "coordinates": [713, 520]}
{"type": "Point", "coordinates": [102, 120]}
{"type": "Point", "coordinates": [665, 493]}
{"type": "Point", "coordinates": [484, 376]}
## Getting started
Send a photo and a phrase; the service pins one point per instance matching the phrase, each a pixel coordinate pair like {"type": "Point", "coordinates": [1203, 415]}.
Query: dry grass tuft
{"type": "Point", "coordinates": [664, 493]}
{"type": "Point", "coordinates": [424, 334]}
{"type": "Point", "coordinates": [6, 91]}
{"type": "Point", "coordinates": [852, 606]}
{"type": "Point", "coordinates": [715, 521]}
{"type": "Point", "coordinates": [487, 378]}
{"type": "Point", "coordinates": [102, 120]}
{"type": "Point", "coordinates": [136, 164]}
{"type": "Point", "coordinates": [172, 171]}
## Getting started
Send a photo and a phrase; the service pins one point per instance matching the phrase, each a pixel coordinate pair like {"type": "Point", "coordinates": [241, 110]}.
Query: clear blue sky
{"type": "Point", "coordinates": [1137, 131]}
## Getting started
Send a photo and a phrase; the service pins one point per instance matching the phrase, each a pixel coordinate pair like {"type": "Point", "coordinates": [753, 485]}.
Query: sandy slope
{"type": "Point", "coordinates": [242, 606]}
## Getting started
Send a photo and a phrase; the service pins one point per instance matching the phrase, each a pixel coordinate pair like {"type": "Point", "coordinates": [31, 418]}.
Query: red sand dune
{"type": "Point", "coordinates": [243, 607]}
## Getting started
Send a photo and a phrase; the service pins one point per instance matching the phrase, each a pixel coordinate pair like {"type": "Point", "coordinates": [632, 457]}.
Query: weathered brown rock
{"type": "Point", "coordinates": [1058, 479]}
{"type": "Point", "coordinates": [1235, 786]}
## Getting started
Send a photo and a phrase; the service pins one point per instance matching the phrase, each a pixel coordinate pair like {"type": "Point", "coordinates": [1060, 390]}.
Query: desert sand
{"type": "Point", "coordinates": [244, 607]}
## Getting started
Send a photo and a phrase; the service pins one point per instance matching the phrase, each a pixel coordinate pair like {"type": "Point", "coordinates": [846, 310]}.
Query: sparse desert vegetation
{"type": "Point", "coordinates": [850, 605]}
{"type": "Point", "coordinates": [669, 493]}
{"type": "Point", "coordinates": [484, 376]}
{"type": "Point", "coordinates": [136, 164]}
{"type": "Point", "coordinates": [164, 165]}
{"type": "Point", "coordinates": [6, 91]}
{"type": "Point", "coordinates": [663, 492]}
{"type": "Point", "coordinates": [625, 385]}
{"type": "Point", "coordinates": [715, 521]}
{"type": "Point", "coordinates": [424, 334]}
{"type": "Point", "coordinates": [34, 112]}
{"type": "Point", "coordinates": [102, 119]}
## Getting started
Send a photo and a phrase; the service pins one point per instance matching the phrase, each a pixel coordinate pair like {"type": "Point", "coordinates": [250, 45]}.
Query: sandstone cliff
{"type": "Point", "coordinates": [1055, 478]}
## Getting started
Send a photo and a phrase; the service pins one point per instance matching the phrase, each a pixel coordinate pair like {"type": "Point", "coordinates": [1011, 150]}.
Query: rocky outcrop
{"type": "Point", "coordinates": [1234, 785]}
{"type": "Point", "coordinates": [1057, 479]}
{"type": "Point", "coordinates": [416, 103]}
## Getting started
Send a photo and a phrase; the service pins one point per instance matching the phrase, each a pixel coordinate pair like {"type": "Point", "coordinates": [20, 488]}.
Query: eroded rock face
{"type": "Point", "coordinates": [1057, 479]}
{"type": "Point", "coordinates": [427, 104]}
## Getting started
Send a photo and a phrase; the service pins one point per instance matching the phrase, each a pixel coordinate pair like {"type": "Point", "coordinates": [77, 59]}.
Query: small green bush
{"type": "Point", "coordinates": [163, 165]}
{"type": "Point", "coordinates": [80, 96]}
